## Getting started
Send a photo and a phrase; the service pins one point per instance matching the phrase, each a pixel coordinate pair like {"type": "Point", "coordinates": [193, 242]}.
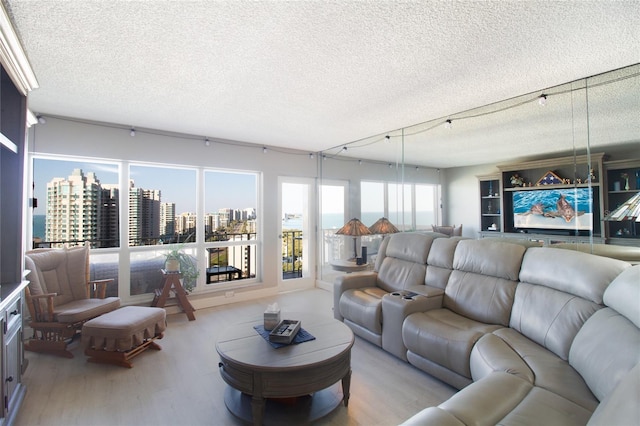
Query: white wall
{"type": "Point", "coordinates": [66, 137]}
{"type": "Point", "coordinates": [61, 136]}
{"type": "Point", "coordinates": [463, 199]}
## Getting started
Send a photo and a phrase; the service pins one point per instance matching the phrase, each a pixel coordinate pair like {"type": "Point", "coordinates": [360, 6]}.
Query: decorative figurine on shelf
{"type": "Point", "coordinates": [516, 180]}
{"type": "Point", "coordinates": [592, 176]}
{"type": "Point", "coordinates": [625, 176]}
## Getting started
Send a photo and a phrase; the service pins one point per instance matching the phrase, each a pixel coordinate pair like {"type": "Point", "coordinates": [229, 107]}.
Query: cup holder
{"type": "Point", "coordinates": [407, 297]}
{"type": "Point", "coordinates": [396, 293]}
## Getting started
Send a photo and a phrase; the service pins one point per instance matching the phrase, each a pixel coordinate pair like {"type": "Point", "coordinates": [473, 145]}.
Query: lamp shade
{"type": "Point", "coordinates": [354, 228]}
{"type": "Point", "coordinates": [383, 226]}
{"type": "Point", "coordinates": [629, 210]}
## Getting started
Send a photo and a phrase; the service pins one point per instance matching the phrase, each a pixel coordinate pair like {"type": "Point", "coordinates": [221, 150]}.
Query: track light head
{"type": "Point", "coordinates": [132, 132]}
{"type": "Point", "coordinates": [448, 124]}
{"type": "Point", "coordinates": [542, 100]}
{"type": "Point", "coordinates": [41, 119]}
{"type": "Point", "coordinates": [207, 142]}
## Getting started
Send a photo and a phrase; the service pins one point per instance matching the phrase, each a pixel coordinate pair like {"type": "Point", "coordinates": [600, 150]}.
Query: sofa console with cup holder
{"type": "Point", "coordinates": [530, 335]}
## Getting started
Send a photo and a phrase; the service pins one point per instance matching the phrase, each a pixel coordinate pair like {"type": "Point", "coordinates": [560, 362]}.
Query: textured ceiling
{"type": "Point", "coordinates": [314, 75]}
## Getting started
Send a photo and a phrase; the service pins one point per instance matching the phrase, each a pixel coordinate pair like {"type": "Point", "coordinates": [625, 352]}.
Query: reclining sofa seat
{"type": "Point", "coordinates": [605, 353]}
{"type": "Point", "coordinates": [477, 300]}
{"type": "Point", "coordinates": [558, 292]}
{"type": "Point", "coordinates": [400, 265]}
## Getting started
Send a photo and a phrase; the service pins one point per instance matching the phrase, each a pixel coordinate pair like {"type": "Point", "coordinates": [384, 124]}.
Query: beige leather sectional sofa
{"type": "Point", "coordinates": [531, 335]}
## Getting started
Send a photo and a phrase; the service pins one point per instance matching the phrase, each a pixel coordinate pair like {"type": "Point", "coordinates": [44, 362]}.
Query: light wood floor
{"type": "Point", "coordinates": [181, 385]}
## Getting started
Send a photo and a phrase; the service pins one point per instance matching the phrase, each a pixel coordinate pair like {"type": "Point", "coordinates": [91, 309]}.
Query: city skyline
{"type": "Point", "coordinates": [239, 188]}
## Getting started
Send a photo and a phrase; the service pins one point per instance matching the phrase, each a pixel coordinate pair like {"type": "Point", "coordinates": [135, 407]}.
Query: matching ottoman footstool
{"type": "Point", "coordinates": [118, 336]}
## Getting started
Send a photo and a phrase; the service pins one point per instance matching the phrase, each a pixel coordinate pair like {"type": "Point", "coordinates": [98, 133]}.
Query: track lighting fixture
{"type": "Point", "coordinates": [207, 142]}
{"type": "Point", "coordinates": [324, 157]}
{"type": "Point", "coordinates": [311, 155]}
{"type": "Point", "coordinates": [447, 124]}
{"type": "Point", "coordinates": [542, 100]}
{"type": "Point", "coordinates": [388, 138]}
{"type": "Point", "coordinates": [264, 149]}
{"type": "Point", "coordinates": [132, 132]}
{"type": "Point", "coordinates": [359, 162]}
{"type": "Point", "coordinates": [344, 149]}
{"type": "Point", "coordinates": [390, 165]}
{"type": "Point", "coordinates": [41, 119]}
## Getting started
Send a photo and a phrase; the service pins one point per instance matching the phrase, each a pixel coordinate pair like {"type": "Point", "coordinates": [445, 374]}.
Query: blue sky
{"type": "Point", "coordinates": [224, 189]}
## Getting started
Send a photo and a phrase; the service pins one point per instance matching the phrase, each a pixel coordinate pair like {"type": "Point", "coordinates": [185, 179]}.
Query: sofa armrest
{"type": "Point", "coordinates": [427, 291]}
{"type": "Point", "coordinates": [349, 282]}
{"type": "Point", "coordinates": [396, 307]}
{"type": "Point", "coordinates": [433, 416]}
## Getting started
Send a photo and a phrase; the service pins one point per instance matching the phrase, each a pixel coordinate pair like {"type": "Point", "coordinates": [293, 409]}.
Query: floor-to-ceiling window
{"type": "Point", "coordinates": [230, 226]}
{"type": "Point", "coordinates": [132, 214]}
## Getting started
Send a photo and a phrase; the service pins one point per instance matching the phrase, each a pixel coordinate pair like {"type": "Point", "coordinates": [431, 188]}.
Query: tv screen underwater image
{"type": "Point", "coordinates": [563, 209]}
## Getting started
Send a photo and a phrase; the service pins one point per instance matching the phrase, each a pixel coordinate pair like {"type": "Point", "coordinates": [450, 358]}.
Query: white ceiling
{"type": "Point", "coordinates": [314, 75]}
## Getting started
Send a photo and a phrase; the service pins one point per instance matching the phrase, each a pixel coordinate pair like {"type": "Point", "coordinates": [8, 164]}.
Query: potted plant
{"type": "Point", "coordinates": [176, 260]}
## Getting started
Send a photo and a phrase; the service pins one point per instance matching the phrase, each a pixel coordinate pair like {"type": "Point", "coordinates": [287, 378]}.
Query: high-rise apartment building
{"type": "Point", "coordinates": [73, 210]}
{"type": "Point", "coordinates": [109, 227]}
{"type": "Point", "coordinates": [167, 219]}
{"type": "Point", "coordinates": [186, 225]}
{"type": "Point", "coordinates": [144, 215]}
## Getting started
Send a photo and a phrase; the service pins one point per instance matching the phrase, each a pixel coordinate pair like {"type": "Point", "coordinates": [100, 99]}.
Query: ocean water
{"type": "Point", "coordinates": [39, 225]}
{"type": "Point", "coordinates": [337, 221]}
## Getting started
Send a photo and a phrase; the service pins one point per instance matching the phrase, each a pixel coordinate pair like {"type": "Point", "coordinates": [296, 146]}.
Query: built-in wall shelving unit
{"type": "Point", "coordinates": [622, 181]}
{"type": "Point", "coordinates": [490, 203]}
{"type": "Point", "coordinates": [565, 173]}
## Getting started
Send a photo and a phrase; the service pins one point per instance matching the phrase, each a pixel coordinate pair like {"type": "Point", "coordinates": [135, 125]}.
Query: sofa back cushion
{"type": "Point", "coordinates": [483, 282]}
{"type": "Point", "coordinates": [404, 262]}
{"type": "Point", "coordinates": [440, 262]}
{"type": "Point", "coordinates": [559, 291]}
{"type": "Point", "coordinates": [607, 347]}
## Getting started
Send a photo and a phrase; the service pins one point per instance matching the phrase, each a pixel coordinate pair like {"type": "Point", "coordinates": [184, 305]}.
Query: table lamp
{"type": "Point", "coordinates": [383, 226]}
{"type": "Point", "coordinates": [356, 229]}
{"type": "Point", "coordinates": [627, 211]}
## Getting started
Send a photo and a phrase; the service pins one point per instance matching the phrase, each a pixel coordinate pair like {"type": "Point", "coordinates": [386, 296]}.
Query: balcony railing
{"type": "Point", "coordinates": [291, 254]}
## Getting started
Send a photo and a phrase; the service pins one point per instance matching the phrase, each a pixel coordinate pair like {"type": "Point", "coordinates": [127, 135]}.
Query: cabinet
{"type": "Point", "coordinates": [13, 389]}
{"type": "Point", "coordinates": [622, 181]}
{"type": "Point", "coordinates": [490, 203]}
{"type": "Point", "coordinates": [16, 80]}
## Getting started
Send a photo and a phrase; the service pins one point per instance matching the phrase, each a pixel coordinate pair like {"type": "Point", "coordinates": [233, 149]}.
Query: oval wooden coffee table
{"type": "Point", "coordinates": [293, 384]}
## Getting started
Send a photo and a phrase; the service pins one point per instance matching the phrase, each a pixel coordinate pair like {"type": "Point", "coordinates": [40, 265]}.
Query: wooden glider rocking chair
{"type": "Point", "coordinates": [61, 298]}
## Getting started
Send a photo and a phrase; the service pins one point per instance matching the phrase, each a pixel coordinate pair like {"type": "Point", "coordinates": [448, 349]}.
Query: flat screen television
{"type": "Point", "coordinates": [553, 209]}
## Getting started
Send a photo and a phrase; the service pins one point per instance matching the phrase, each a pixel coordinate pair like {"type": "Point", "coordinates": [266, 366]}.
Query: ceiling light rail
{"type": "Point", "coordinates": [540, 97]}
{"type": "Point", "coordinates": [133, 131]}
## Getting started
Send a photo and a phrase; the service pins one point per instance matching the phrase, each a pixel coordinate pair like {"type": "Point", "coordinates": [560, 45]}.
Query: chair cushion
{"type": "Point", "coordinates": [84, 309]}
{"type": "Point", "coordinates": [61, 271]}
{"type": "Point", "coordinates": [512, 401]}
{"type": "Point", "coordinates": [549, 371]}
{"type": "Point", "coordinates": [363, 306]}
{"type": "Point", "coordinates": [444, 337]}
